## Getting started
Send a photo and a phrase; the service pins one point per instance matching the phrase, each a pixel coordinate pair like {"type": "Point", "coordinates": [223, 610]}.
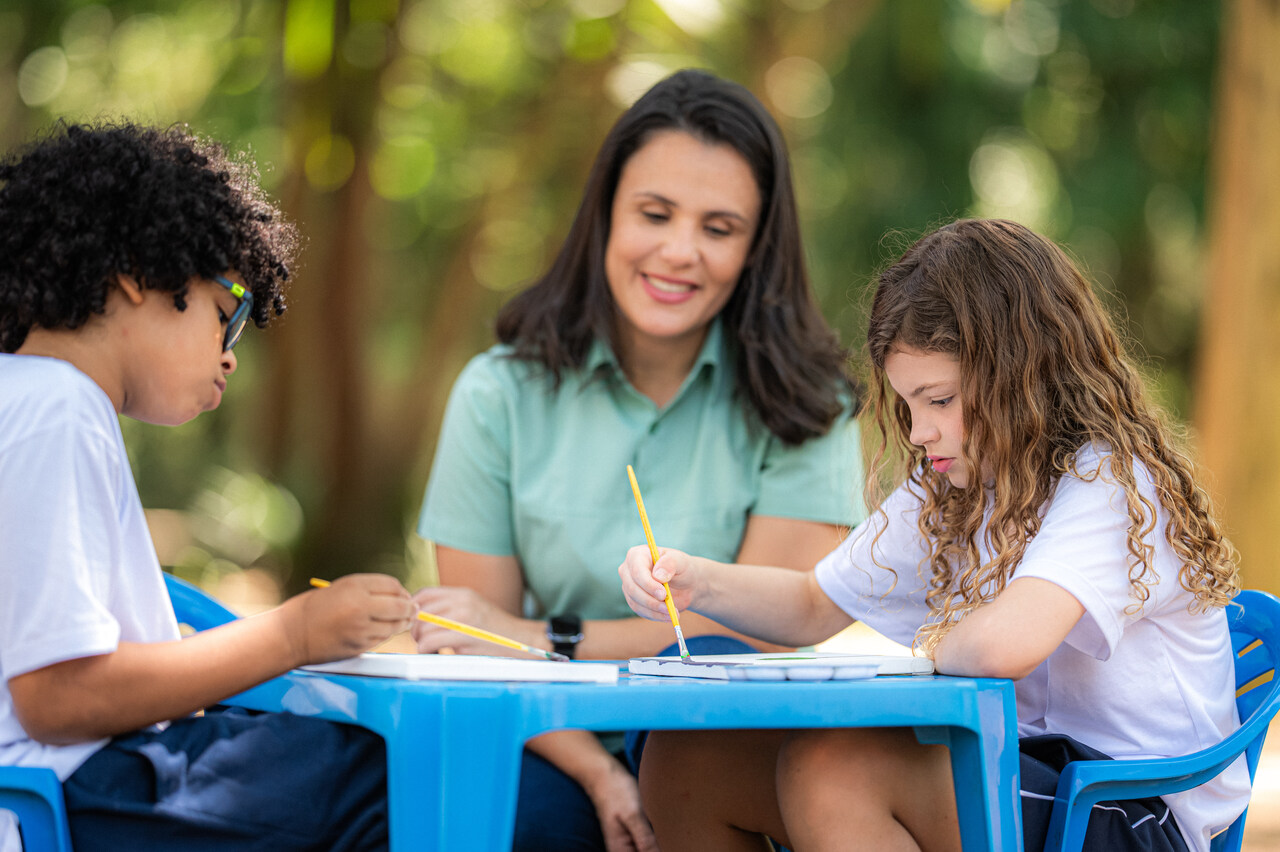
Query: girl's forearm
{"type": "Point", "coordinates": [777, 605]}
{"type": "Point", "coordinates": [621, 638]}
{"type": "Point", "coordinates": [1011, 635]}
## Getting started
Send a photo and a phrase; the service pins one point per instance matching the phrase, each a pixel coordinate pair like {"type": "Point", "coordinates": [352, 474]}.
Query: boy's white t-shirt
{"type": "Point", "coordinates": [78, 571]}
{"type": "Point", "coordinates": [1155, 683]}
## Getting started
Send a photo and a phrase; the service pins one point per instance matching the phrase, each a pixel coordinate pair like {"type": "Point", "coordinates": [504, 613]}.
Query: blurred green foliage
{"type": "Point", "coordinates": [433, 152]}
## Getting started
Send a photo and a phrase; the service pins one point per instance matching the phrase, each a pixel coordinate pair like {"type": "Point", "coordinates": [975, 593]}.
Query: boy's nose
{"type": "Point", "coordinates": [228, 362]}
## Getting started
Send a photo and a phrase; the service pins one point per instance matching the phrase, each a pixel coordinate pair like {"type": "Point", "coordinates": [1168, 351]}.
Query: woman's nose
{"type": "Point", "coordinates": [680, 247]}
{"type": "Point", "coordinates": [228, 362]}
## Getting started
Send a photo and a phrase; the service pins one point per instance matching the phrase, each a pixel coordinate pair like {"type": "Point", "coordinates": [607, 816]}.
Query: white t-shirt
{"type": "Point", "coordinates": [78, 572]}
{"type": "Point", "coordinates": [1154, 683]}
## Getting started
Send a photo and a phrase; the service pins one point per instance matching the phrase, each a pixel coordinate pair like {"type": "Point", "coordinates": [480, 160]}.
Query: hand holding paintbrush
{"type": "Point", "coordinates": [653, 551]}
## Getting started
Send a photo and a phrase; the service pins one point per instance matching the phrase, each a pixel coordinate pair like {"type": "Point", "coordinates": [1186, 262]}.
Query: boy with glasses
{"type": "Point", "coordinates": [130, 260]}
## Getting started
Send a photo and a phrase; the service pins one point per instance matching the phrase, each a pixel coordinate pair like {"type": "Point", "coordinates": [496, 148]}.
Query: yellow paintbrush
{"type": "Point", "coordinates": [653, 551]}
{"type": "Point", "coordinates": [474, 632]}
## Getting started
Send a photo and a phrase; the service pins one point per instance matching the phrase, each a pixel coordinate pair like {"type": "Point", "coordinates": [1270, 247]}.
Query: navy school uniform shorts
{"type": "Point", "coordinates": [233, 780]}
{"type": "Point", "coordinates": [1131, 825]}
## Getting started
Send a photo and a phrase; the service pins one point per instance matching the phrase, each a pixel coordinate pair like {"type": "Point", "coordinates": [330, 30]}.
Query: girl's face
{"type": "Point", "coordinates": [684, 215]}
{"type": "Point", "coordinates": [929, 383]}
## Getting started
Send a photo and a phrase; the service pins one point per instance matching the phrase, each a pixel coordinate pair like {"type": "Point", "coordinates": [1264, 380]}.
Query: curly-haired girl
{"type": "Point", "coordinates": [1047, 528]}
{"type": "Point", "coordinates": [130, 260]}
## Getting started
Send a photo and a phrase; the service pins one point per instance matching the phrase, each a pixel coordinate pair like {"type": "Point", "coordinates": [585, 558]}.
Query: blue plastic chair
{"type": "Point", "coordinates": [35, 794]}
{"type": "Point", "coordinates": [193, 607]}
{"type": "Point", "coordinates": [1254, 619]}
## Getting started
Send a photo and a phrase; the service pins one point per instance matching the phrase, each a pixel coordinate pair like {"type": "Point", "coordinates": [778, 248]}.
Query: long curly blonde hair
{"type": "Point", "coordinates": [1043, 373]}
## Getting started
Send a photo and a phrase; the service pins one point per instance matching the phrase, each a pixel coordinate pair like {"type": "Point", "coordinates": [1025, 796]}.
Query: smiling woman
{"type": "Point", "coordinates": [674, 332]}
{"type": "Point", "coordinates": [684, 215]}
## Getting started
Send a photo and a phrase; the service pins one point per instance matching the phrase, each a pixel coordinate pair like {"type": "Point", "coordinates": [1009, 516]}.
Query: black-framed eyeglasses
{"type": "Point", "coordinates": [240, 316]}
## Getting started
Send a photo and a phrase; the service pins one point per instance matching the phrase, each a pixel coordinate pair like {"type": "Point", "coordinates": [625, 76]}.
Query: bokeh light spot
{"type": "Point", "coordinates": [329, 162]}
{"type": "Point", "coordinates": [799, 87]}
{"type": "Point", "coordinates": [42, 75]}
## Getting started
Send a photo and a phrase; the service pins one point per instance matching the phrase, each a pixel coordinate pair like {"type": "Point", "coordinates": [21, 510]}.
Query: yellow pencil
{"type": "Point", "coordinates": [474, 632]}
{"type": "Point", "coordinates": [653, 551]}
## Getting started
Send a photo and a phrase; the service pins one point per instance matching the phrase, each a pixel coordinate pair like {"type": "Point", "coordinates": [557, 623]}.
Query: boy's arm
{"type": "Point", "coordinates": [777, 605]}
{"type": "Point", "coordinates": [139, 684]}
{"type": "Point", "coordinates": [1011, 635]}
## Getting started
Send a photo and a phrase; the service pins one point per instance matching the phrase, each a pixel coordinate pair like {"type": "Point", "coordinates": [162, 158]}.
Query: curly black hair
{"type": "Point", "coordinates": [86, 203]}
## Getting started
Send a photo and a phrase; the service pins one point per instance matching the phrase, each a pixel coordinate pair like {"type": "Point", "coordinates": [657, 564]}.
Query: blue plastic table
{"type": "Point", "coordinates": [454, 747]}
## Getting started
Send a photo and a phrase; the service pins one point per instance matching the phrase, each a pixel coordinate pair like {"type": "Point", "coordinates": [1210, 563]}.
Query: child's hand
{"type": "Point", "coordinates": [349, 617]}
{"type": "Point", "coordinates": [642, 581]}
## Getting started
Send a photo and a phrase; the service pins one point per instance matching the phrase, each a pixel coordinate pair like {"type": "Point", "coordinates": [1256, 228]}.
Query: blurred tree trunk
{"type": "Point", "coordinates": [315, 400]}
{"type": "Point", "coordinates": [549, 146]}
{"type": "Point", "coordinates": [1237, 395]}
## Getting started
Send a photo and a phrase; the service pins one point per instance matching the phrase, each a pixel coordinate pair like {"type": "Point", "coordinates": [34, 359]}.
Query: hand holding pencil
{"type": "Point", "coordinates": [361, 612]}
{"type": "Point", "coordinates": [471, 631]}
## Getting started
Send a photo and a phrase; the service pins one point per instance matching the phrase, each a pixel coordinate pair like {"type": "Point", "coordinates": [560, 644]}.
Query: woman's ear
{"type": "Point", "coordinates": [130, 287]}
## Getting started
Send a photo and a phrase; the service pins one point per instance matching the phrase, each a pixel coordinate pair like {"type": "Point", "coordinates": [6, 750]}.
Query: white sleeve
{"type": "Point", "coordinates": [10, 841]}
{"type": "Point", "coordinates": [1083, 547]}
{"type": "Point", "coordinates": [59, 508]}
{"type": "Point", "coordinates": [876, 576]}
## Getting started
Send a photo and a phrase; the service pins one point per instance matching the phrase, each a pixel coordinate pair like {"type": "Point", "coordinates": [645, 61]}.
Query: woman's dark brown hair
{"type": "Point", "coordinates": [789, 363]}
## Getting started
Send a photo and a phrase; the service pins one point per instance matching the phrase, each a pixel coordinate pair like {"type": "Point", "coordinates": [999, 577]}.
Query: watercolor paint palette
{"type": "Point", "coordinates": [800, 665]}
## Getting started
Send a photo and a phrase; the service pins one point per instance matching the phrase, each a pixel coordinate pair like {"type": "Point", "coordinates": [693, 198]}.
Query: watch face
{"type": "Point", "coordinates": [567, 626]}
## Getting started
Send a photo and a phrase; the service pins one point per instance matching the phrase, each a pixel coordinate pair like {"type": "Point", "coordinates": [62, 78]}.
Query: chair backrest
{"type": "Point", "coordinates": [1254, 620]}
{"type": "Point", "coordinates": [193, 607]}
{"type": "Point", "coordinates": [34, 796]}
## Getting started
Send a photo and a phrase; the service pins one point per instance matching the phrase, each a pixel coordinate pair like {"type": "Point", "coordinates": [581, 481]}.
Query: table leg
{"type": "Point", "coordinates": [480, 760]}
{"type": "Point", "coordinates": [984, 770]}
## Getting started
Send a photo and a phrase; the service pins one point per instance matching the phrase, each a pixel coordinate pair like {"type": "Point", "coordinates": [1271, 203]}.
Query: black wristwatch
{"type": "Point", "coordinates": [565, 632]}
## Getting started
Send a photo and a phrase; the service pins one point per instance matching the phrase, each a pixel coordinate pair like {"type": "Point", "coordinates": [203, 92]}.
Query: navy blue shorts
{"type": "Point", "coordinates": [233, 780]}
{"type": "Point", "coordinates": [1131, 825]}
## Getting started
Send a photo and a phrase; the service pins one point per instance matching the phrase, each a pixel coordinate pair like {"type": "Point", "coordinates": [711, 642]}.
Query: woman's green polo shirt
{"type": "Point", "coordinates": [525, 470]}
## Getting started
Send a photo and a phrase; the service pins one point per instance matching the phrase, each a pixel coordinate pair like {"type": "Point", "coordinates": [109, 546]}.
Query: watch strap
{"type": "Point", "coordinates": [565, 632]}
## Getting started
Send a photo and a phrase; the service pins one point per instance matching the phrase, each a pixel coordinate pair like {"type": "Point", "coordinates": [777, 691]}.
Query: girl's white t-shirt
{"type": "Point", "coordinates": [1154, 682]}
